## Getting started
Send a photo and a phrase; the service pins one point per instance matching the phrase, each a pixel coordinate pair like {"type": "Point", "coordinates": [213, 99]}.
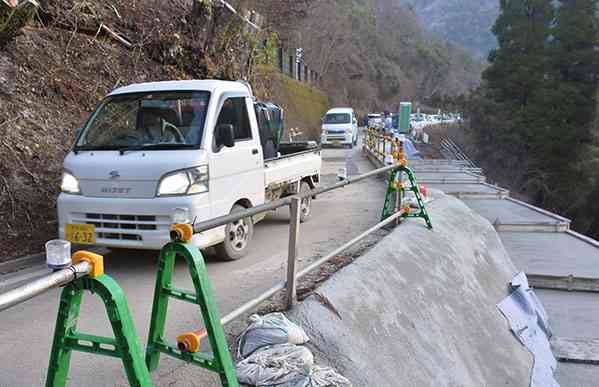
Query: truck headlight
{"type": "Point", "coordinates": [69, 184]}
{"type": "Point", "coordinates": [186, 182]}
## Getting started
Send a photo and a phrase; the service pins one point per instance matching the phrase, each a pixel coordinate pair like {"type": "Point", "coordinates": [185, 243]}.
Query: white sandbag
{"type": "Point", "coordinates": [283, 365]}
{"type": "Point", "coordinates": [327, 377]}
{"type": "Point", "coordinates": [271, 329]}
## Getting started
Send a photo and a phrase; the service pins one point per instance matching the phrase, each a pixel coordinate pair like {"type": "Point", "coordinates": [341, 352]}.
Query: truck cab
{"type": "Point", "coordinates": [339, 127]}
{"type": "Point", "coordinates": [157, 153]}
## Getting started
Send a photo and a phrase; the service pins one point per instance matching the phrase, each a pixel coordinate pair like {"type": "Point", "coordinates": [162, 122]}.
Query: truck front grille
{"type": "Point", "coordinates": [335, 137]}
{"type": "Point", "coordinates": [119, 236]}
{"type": "Point", "coordinates": [122, 222]}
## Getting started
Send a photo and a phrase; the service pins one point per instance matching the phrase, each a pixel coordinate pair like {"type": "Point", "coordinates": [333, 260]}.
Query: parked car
{"type": "Point", "coordinates": [375, 120]}
{"type": "Point", "coordinates": [339, 127]}
{"type": "Point", "coordinates": [153, 154]}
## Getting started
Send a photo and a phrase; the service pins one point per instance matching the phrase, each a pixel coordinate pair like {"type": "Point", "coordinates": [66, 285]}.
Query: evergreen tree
{"type": "Point", "coordinates": [538, 107]}
{"type": "Point", "coordinates": [569, 102]}
{"type": "Point", "coordinates": [517, 70]}
{"type": "Point", "coordinates": [519, 63]}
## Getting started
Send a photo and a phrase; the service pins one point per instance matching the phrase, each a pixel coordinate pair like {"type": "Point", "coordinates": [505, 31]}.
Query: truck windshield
{"type": "Point", "coordinates": [337, 118]}
{"type": "Point", "coordinates": [147, 120]}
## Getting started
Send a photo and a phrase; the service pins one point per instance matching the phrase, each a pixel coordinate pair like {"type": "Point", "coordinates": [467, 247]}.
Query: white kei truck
{"type": "Point", "coordinates": [154, 154]}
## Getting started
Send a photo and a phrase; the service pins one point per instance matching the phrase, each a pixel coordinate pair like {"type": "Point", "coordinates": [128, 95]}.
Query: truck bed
{"type": "Point", "coordinates": [297, 160]}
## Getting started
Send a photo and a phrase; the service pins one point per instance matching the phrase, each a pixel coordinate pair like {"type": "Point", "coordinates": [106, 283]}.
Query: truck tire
{"type": "Point", "coordinates": [237, 237]}
{"type": "Point", "coordinates": [306, 204]}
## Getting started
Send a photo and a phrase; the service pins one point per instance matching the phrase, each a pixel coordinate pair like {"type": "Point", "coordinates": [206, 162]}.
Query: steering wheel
{"type": "Point", "coordinates": [127, 138]}
{"type": "Point", "coordinates": [176, 133]}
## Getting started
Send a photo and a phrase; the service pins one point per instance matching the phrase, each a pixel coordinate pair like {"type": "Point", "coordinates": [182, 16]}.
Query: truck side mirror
{"type": "Point", "coordinates": [225, 135]}
{"type": "Point", "coordinates": [78, 132]}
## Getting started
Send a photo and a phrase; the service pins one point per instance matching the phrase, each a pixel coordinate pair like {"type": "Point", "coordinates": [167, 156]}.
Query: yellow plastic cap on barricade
{"type": "Point", "coordinates": [191, 341]}
{"type": "Point", "coordinates": [183, 232]}
{"type": "Point", "coordinates": [95, 260]}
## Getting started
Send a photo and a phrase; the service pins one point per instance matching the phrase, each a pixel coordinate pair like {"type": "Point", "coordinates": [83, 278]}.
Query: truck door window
{"type": "Point", "coordinates": [234, 112]}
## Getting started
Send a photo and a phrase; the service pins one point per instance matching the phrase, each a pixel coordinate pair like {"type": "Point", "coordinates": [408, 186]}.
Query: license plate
{"type": "Point", "coordinates": [81, 233]}
{"type": "Point", "coordinates": [335, 141]}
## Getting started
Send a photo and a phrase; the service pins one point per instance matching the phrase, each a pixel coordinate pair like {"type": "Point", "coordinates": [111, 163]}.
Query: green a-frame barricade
{"type": "Point", "coordinates": [396, 192]}
{"type": "Point", "coordinates": [220, 362]}
{"type": "Point", "coordinates": [125, 344]}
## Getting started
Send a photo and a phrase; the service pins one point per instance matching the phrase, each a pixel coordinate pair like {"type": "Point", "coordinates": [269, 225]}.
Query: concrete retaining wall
{"type": "Point", "coordinates": [419, 309]}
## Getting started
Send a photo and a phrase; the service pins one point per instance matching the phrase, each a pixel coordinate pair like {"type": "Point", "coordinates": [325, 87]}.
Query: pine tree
{"type": "Point", "coordinates": [518, 65]}
{"type": "Point", "coordinates": [517, 70]}
{"type": "Point", "coordinates": [539, 104]}
{"type": "Point", "coordinates": [569, 102]}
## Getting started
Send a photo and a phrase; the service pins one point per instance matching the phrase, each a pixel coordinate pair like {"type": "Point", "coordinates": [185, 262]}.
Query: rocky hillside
{"type": "Point", "coordinates": [464, 22]}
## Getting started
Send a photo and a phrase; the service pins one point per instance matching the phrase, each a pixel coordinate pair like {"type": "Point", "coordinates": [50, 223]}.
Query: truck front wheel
{"type": "Point", "coordinates": [238, 235]}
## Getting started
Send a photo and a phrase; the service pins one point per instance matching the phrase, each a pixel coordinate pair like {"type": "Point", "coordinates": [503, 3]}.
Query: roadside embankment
{"type": "Point", "coordinates": [419, 309]}
{"type": "Point", "coordinates": [304, 105]}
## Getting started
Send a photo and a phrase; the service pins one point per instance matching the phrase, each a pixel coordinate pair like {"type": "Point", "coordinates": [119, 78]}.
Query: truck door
{"type": "Point", "coordinates": [237, 172]}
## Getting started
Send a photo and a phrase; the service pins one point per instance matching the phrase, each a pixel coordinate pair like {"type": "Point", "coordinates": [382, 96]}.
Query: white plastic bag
{"type": "Point", "coordinates": [271, 329]}
{"type": "Point", "coordinates": [286, 365]}
{"type": "Point", "coordinates": [327, 377]}
{"type": "Point", "coordinates": [283, 365]}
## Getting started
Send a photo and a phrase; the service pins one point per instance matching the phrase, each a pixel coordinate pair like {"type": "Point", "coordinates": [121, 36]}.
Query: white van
{"type": "Point", "coordinates": [339, 127]}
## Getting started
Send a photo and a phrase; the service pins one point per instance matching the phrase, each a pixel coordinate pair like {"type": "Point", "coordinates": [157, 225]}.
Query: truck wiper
{"type": "Point", "coordinates": [78, 149]}
{"type": "Point", "coordinates": [154, 147]}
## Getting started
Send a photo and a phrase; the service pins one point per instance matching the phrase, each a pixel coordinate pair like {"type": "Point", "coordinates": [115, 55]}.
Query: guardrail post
{"type": "Point", "coordinates": [294, 224]}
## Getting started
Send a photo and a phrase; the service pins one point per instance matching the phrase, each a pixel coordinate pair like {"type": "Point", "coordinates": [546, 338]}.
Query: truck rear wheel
{"type": "Point", "coordinates": [306, 204]}
{"type": "Point", "coordinates": [238, 235]}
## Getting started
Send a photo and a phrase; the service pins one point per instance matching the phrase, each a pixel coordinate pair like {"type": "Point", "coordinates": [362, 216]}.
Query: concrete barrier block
{"type": "Point", "coordinates": [419, 309]}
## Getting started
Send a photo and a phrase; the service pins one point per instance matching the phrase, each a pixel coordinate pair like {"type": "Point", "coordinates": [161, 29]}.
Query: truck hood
{"type": "Point", "coordinates": [134, 174]}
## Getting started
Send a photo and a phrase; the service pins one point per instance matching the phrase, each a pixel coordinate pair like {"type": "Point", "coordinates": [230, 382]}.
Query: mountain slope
{"type": "Point", "coordinates": [464, 22]}
{"type": "Point", "coordinates": [372, 54]}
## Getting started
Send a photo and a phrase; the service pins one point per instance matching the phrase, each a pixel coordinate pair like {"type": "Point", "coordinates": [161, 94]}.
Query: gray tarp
{"type": "Point", "coordinates": [529, 323]}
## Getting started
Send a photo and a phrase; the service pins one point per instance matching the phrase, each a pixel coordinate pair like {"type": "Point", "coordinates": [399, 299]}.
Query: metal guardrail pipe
{"type": "Point", "coordinates": [43, 284]}
{"type": "Point", "coordinates": [472, 172]}
{"type": "Point", "coordinates": [282, 285]}
{"type": "Point", "coordinates": [253, 303]}
{"type": "Point", "coordinates": [223, 220]}
{"type": "Point", "coordinates": [338, 250]}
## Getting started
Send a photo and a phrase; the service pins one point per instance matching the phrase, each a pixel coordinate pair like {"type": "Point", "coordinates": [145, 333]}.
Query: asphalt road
{"type": "Point", "coordinates": [26, 330]}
